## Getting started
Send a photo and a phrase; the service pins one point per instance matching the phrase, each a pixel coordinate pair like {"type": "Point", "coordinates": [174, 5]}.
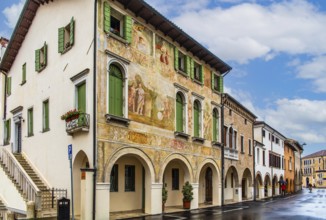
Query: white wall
{"type": "Point", "coordinates": [48, 151]}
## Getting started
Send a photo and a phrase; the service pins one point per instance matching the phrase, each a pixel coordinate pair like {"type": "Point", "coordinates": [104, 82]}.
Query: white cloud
{"type": "Point", "coordinates": [248, 31]}
{"type": "Point", "coordinates": [300, 119]}
{"type": "Point", "coordinates": [315, 70]}
{"type": "Point", "coordinates": [12, 13]}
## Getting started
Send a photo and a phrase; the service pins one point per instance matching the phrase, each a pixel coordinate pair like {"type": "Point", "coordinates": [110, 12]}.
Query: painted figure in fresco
{"type": "Point", "coordinates": [164, 58]}
{"type": "Point", "coordinates": [132, 97]}
{"type": "Point", "coordinates": [167, 109]}
{"type": "Point", "coordinates": [140, 99]}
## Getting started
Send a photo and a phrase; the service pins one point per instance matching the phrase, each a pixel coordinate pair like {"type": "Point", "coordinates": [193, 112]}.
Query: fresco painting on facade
{"type": "Point", "coordinates": [163, 59]}
{"type": "Point", "coordinates": [142, 38]}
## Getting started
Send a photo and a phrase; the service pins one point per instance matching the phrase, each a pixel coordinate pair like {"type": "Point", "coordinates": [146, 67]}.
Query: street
{"type": "Point", "coordinates": [303, 205]}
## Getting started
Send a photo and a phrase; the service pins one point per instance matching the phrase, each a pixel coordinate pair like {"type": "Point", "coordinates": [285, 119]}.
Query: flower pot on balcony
{"type": "Point", "coordinates": [72, 118]}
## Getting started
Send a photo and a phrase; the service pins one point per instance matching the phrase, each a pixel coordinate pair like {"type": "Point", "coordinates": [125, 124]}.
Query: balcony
{"type": "Point", "coordinates": [77, 124]}
{"type": "Point", "coordinates": [231, 153]}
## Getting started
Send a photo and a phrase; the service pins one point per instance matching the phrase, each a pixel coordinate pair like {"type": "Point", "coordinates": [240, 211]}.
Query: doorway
{"type": "Point", "coordinates": [18, 137]}
{"type": "Point", "coordinates": [244, 187]}
{"type": "Point", "coordinates": [208, 185]}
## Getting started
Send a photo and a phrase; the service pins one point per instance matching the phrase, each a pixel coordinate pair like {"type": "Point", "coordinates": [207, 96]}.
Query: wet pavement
{"type": "Point", "coordinates": [301, 206]}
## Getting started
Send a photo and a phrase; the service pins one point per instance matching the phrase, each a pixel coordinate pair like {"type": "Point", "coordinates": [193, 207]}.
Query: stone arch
{"type": "Point", "coordinates": [247, 173]}
{"type": "Point", "coordinates": [176, 156]}
{"type": "Point", "coordinates": [259, 178]}
{"type": "Point", "coordinates": [209, 185]}
{"type": "Point", "coordinates": [236, 176]}
{"type": "Point", "coordinates": [267, 179]}
{"type": "Point", "coordinates": [139, 154]}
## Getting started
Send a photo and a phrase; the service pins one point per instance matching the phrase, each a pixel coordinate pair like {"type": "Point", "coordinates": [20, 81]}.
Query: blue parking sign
{"type": "Point", "coordinates": [70, 151]}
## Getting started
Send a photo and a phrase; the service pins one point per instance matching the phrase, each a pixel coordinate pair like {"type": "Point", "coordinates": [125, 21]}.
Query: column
{"type": "Point", "coordinates": [261, 192]}
{"type": "Point", "coordinates": [156, 199]}
{"type": "Point", "coordinates": [194, 202]}
{"type": "Point", "coordinates": [102, 201]}
{"type": "Point", "coordinates": [237, 194]}
{"type": "Point", "coordinates": [269, 191]}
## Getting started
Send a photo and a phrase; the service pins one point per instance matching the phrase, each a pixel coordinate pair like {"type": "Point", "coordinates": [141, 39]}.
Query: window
{"type": "Point", "coordinates": [269, 136]}
{"type": "Point", "coordinates": [117, 23]}
{"type": "Point", "coordinates": [23, 74]}
{"type": "Point", "coordinates": [215, 125]}
{"type": "Point", "coordinates": [129, 178]}
{"type": "Point", "coordinates": [230, 112]}
{"type": "Point", "coordinates": [66, 37]}
{"type": "Point", "coordinates": [7, 125]}
{"type": "Point", "coordinates": [241, 144]}
{"type": "Point", "coordinates": [175, 179]}
{"type": "Point", "coordinates": [41, 58]}
{"type": "Point", "coordinates": [235, 138]}
{"type": "Point", "coordinates": [30, 122]}
{"type": "Point", "coordinates": [272, 138]}
{"type": "Point", "coordinates": [197, 73]}
{"type": "Point", "coordinates": [116, 92]}
{"type": "Point", "coordinates": [249, 146]}
{"type": "Point", "coordinates": [182, 62]}
{"type": "Point", "coordinates": [114, 178]}
{"type": "Point", "coordinates": [217, 82]}
{"type": "Point", "coordinates": [290, 163]}
{"type": "Point", "coordinates": [264, 158]}
{"type": "Point", "coordinates": [197, 119]}
{"type": "Point", "coordinates": [180, 113]}
{"type": "Point", "coordinates": [245, 121]}
{"type": "Point", "coordinates": [81, 97]}
{"type": "Point", "coordinates": [258, 155]}
{"type": "Point", "coordinates": [263, 133]}
{"type": "Point", "coordinates": [277, 141]}
{"type": "Point", "coordinates": [8, 86]}
{"type": "Point", "coordinates": [46, 126]}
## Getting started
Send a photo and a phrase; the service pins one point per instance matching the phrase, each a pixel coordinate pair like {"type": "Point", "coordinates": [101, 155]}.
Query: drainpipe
{"type": "Point", "coordinates": [222, 149]}
{"type": "Point", "coordinates": [5, 97]}
{"type": "Point", "coordinates": [94, 109]}
{"type": "Point", "coordinates": [254, 162]}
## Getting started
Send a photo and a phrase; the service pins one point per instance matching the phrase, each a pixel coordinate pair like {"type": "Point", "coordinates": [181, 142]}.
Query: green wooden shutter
{"type": "Point", "coordinates": [46, 115]}
{"type": "Point", "coordinates": [37, 59]}
{"type": "Point", "coordinates": [24, 73]}
{"type": "Point", "coordinates": [176, 58]}
{"type": "Point", "coordinates": [192, 70]}
{"type": "Point", "coordinates": [107, 17]}
{"type": "Point", "coordinates": [115, 91]}
{"type": "Point", "coordinates": [72, 31]}
{"type": "Point", "coordinates": [45, 50]}
{"type": "Point", "coordinates": [127, 28]}
{"type": "Point", "coordinates": [9, 130]}
{"type": "Point", "coordinates": [201, 73]}
{"type": "Point", "coordinates": [81, 93]}
{"type": "Point", "coordinates": [61, 39]}
{"type": "Point", "coordinates": [220, 84]}
{"type": "Point", "coordinates": [196, 119]}
{"type": "Point", "coordinates": [8, 85]}
{"type": "Point", "coordinates": [188, 66]}
{"type": "Point", "coordinates": [30, 122]}
{"type": "Point", "coordinates": [179, 113]}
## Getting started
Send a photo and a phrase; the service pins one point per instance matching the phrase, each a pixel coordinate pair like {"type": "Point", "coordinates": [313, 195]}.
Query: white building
{"type": "Point", "coordinates": [269, 160]}
{"type": "Point", "coordinates": [47, 76]}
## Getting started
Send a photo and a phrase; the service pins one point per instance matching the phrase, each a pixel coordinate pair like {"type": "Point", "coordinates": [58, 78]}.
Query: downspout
{"type": "Point", "coordinates": [5, 97]}
{"type": "Point", "coordinates": [94, 110]}
{"type": "Point", "coordinates": [222, 150]}
{"type": "Point", "coordinates": [254, 164]}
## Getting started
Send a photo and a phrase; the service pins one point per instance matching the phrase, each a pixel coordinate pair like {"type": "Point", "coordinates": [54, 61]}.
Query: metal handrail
{"type": "Point", "coordinates": [24, 182]}
{"type": "Point", "coordinates": [81, 121]}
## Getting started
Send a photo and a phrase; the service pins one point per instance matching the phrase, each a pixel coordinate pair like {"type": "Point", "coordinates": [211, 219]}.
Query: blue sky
{"type": "Point", "coordinates": [277, 49]}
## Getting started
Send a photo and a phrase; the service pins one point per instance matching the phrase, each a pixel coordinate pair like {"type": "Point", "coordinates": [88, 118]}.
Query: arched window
{"type": "Point", "coordinates": [197, 114]}
{"type": "Point", "coordinates": [231, 137]}
{"type": "Point", "coordinates": [180, 112]}
{"type": "Point", "coordinates": [215, 125]}
{"type": "Point", "coordinates": [115, 91]}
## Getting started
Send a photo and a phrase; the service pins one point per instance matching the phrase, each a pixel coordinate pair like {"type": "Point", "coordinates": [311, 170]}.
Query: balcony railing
{"type": "Point", "coordinates": [81, 123]}
{"type": "Point", "coordinates": [231, 153]}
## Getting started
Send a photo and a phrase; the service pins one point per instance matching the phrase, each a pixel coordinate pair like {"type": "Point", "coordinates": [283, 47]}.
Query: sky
{"type": "Point", "coordinates": [276, 48]}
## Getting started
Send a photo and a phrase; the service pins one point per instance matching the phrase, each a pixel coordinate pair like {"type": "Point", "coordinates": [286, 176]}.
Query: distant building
{"type": "Point", "coordinates": [314, 169]}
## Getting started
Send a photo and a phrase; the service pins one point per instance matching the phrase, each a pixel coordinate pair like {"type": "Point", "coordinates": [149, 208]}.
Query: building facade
{"type": "Point", "coordinates": [314, 169]}
{"type": "Point", "coordinates": [289, 168]}
{"type": "Point", "coordinates": [269, 160]}
{"type": "Point", "coordinates": [238, 151]}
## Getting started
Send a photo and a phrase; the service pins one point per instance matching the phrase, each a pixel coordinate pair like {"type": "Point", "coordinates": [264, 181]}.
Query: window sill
{"type": "Point", "coordinates": [216, 144]}
{"type": "Point", "coordinates": [198, 139]}
{"type": "Point", "coordinates": [30, 135]}
{"type": "Point", "coordinates": [41, 69]}
{"type": "Point", "coordinates": [198, 82]}
{"type": "Point", "coordinates": [66, 49]}
{"type": "Point", "coordinates": [242, 152]}
{"type": "Point", "coordinates": [6, 143]}
{"type": "Point", "coordinates": [23, 83]}
{"type": "Point", "coordinates": [181, 135]}
{"type": "Point", "coordinates": [216, 92]}
{"type": "Point", "coordinates": [182, 73]}
{"type": "Point", "coordinates": [117, 119]}
{"type": "Point", "coordinates": [45, 130]}
{"type": "Point", "coordinates": [118, 38]}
